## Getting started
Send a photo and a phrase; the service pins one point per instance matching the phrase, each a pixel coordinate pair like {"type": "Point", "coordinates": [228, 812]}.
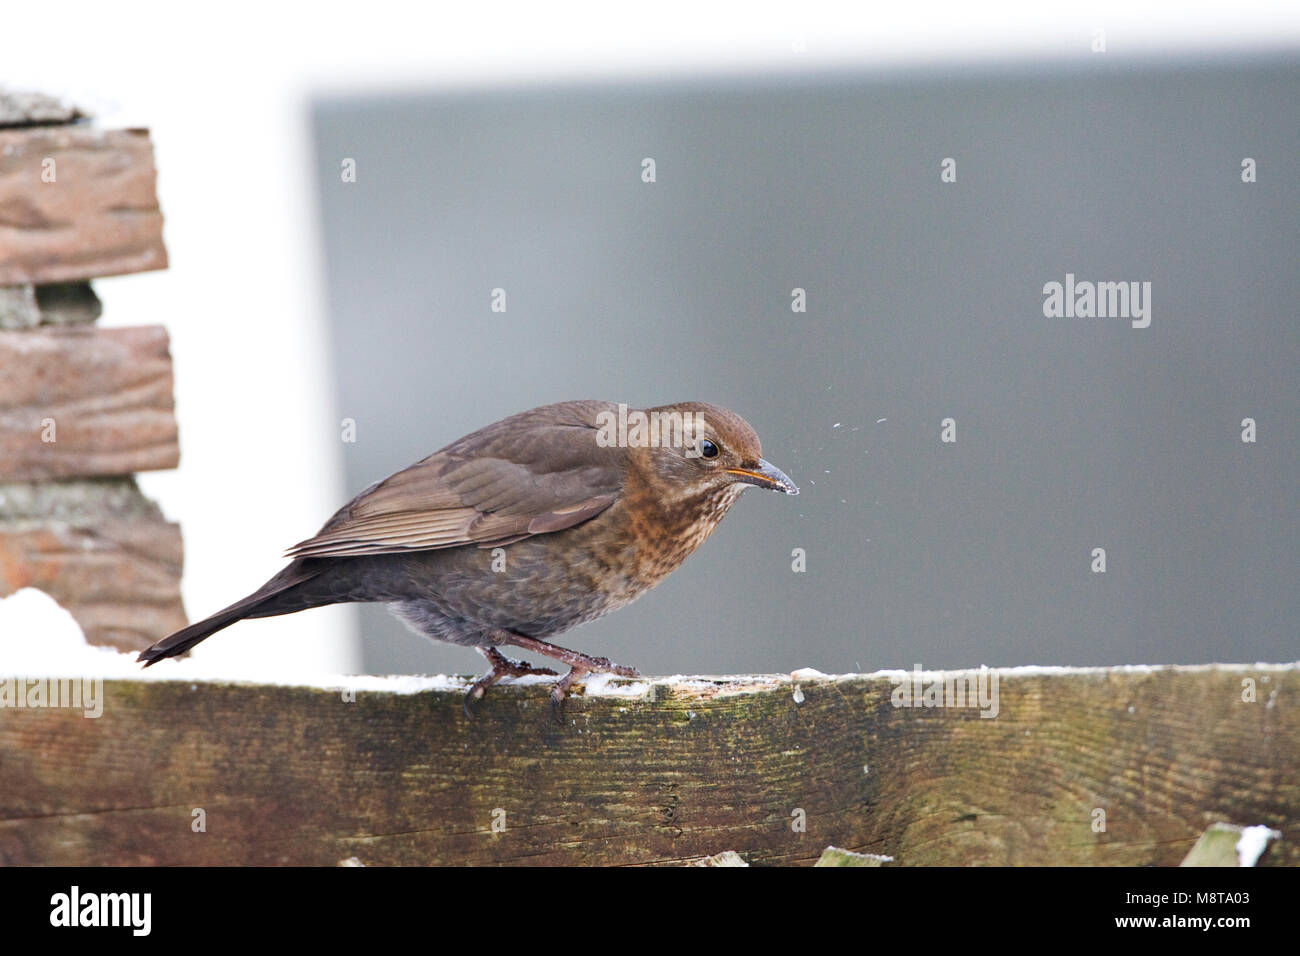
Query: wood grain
{"type": "Point", "coordinates": [291, 775]}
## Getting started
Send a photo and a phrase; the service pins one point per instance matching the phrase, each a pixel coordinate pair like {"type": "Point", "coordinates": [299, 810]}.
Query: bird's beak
{"type": "Point", "coordinates": [766, 475]}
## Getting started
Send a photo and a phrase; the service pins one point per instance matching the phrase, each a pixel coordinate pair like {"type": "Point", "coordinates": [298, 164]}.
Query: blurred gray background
{"type": "Point", "coordinates": [924, 301]}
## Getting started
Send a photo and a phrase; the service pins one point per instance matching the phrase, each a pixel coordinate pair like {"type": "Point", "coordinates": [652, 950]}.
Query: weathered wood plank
{"type": "Point", "coordinates": [302, 775]}
{"type": "Point", "coordinates": [1226, 844]}
{"type": "Point", "coordinates": [99, 548]}
{"type": "Point", "coordinates": [76, 203]}
{"type": "Point", "coordinates": [83, 401]}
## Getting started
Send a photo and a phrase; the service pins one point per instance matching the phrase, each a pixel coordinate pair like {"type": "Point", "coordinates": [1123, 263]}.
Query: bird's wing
{"type": "Point", "coordinates": [508, 481]}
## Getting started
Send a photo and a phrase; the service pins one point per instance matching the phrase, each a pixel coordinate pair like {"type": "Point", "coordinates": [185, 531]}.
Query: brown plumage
{"type": "Point", "coordinates": [586, 517]}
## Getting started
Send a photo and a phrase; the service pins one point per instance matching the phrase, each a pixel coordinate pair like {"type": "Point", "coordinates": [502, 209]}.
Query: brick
{"type": "Point", "coordinates": [99, 548]}
{"type": "Point", "coordinates": [83, 401]}
{"type": "Point", "coordinates": [98, 217]}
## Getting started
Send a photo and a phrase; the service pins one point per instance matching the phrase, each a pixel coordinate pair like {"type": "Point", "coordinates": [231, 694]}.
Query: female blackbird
{"type": "Point", "coordinates": [522, 530]}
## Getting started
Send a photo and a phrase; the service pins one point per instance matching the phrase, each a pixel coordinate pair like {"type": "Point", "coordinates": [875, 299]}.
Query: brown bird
{"type": "Point", "coordinates": [522, 530]}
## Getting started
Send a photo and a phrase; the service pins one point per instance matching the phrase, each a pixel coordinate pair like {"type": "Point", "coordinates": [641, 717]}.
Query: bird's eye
{"type": "Point", "coordinates": [708, 449]}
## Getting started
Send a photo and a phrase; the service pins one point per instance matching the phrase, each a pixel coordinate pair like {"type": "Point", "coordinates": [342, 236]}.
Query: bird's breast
{"type": "Point", "coordinates": [668, 533]}
{"type": "Point", "coordinates": [545, 584]}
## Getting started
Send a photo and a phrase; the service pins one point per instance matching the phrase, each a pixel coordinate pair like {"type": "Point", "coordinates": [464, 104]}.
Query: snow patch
{"type": "Point", "coordinates": [38, 637]}
{"type": "Point", "coordinates": [1253, 842]}
{"type": "Point", "coordinates": [808, 673]}
{"type": "Point", "coordinates": [611, 685]}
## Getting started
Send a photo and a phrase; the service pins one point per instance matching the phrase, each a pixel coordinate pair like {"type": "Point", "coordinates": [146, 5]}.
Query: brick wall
{"type": "Point", "coordinates": [82, 408]}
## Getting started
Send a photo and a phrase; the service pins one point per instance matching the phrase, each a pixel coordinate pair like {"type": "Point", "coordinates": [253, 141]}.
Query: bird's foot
{"type": "Point", "coordinates": [600, 665]}
{"type": "Point", "coordinates": [502, 666]}
{"type": "Point", "coordinates": [560, 690]}
{"type": "Point", "coordinates": [575, 659]}
{"type": "Point", "coordinates": [579, 664]}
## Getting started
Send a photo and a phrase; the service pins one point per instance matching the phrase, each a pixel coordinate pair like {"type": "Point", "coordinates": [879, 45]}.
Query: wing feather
{"type": "Point", "coordinates": [534, 473]}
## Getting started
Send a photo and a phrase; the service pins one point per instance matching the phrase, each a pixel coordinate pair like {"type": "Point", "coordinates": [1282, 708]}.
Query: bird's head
{"type": "Point", "coordinates": [708, 450]}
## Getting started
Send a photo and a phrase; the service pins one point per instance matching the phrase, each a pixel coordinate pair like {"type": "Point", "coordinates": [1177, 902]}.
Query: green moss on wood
{"type": "Point", "coordinates": [300, 775]}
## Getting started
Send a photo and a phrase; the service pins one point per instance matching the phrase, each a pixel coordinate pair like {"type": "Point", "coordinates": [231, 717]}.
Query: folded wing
{"type": "Point", "coordinates": [535, 473]}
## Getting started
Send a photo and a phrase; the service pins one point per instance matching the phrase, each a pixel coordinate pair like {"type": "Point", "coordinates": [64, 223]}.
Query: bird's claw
{"type": "Point", "coordinates": [602, 665]}
{"type": "Point", "coordinates": [579, 664]}
{"type": "Point", "coordinates": [560, 690]}
{"type": "Point", "coordinates": [510, 668]}
{"type": "Point", "coordinates": [502, 666]}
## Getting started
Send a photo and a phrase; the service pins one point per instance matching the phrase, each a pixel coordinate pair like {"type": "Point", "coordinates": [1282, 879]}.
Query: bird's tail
{"type": "Point", "coordinates": [280, 595]}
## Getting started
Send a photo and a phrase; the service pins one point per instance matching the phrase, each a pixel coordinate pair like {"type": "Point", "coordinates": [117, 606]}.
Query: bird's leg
{"type": "Point", "coordinates": [574, 659]}
{"type": "Point", "coordinates": [502, 666]}
{"type": "Point", "coordinates": [579, 664]}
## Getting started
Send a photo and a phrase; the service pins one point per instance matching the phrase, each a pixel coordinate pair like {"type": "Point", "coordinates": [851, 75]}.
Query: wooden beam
{"type": "Point", "coordinates": [1106, 766]}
